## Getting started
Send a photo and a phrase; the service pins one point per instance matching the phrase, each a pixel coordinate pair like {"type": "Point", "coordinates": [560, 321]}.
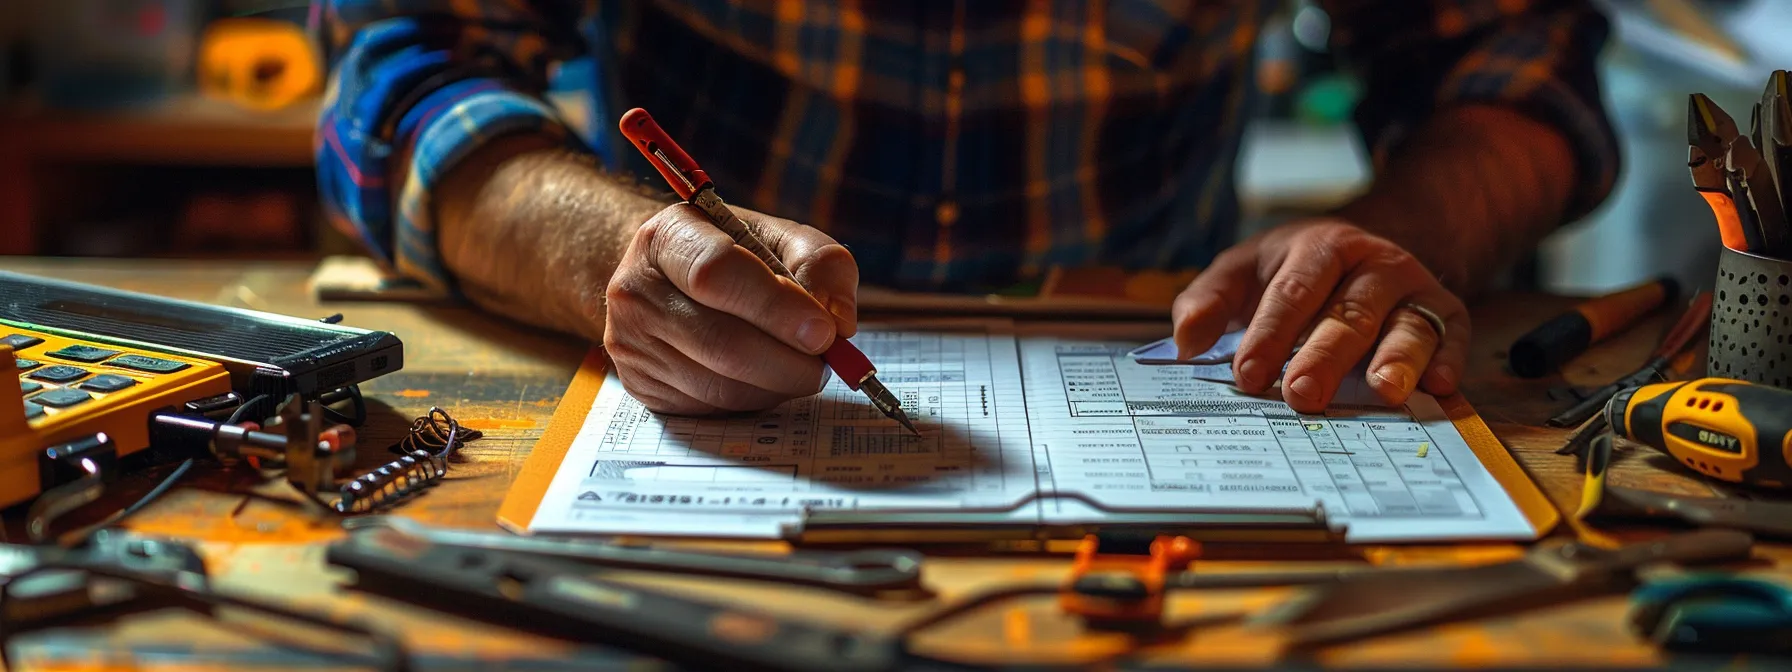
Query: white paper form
{"type": "Point", "coordinates": [1131, 433]}
{"type": "Point", "coordinates": [631, 471]}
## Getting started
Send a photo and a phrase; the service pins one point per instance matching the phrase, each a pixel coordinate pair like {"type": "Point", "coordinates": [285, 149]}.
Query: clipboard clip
{"type": "Point", "coordinates": [1007, 523]}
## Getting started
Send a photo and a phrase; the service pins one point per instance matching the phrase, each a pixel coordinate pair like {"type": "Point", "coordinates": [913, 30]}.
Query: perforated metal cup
{"type": "Point", "coordinates": [1751, 319]}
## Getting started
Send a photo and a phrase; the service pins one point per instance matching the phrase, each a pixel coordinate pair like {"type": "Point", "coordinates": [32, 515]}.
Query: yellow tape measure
{"type": "Point", "coordinates": [261, 64]}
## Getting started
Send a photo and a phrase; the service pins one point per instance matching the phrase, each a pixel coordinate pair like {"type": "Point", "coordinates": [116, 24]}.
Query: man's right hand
{"type": "Point", "coordinates": [696, 324]}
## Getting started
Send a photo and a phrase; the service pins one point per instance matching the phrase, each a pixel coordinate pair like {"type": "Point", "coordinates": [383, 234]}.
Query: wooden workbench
{"type": "Point", "coordinates": [506, 380]}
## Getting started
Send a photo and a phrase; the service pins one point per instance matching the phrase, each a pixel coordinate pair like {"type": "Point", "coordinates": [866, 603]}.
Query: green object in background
{"type": "Point", "coordinates": [1328, 100]}
{"type": "Point", "coordinates": [1714, 613]}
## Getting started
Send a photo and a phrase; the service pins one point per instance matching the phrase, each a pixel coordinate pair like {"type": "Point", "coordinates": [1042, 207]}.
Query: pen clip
{"type": "Point", "coordinates": [676, 166]}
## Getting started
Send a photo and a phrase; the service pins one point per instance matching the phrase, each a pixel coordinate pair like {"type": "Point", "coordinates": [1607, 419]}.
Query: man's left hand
{"type": "Point", "coordinates": [1347, 292]}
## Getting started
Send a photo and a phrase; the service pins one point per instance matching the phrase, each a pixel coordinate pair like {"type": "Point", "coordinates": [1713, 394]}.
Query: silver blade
{"type": "Point", "coordinates": [1368, 605]}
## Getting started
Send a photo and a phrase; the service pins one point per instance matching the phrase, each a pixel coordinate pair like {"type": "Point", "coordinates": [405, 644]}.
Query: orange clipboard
{"type": "Point", "coordinates": [525, 494]}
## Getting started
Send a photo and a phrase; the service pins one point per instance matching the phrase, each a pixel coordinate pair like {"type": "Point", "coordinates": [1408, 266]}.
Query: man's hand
{"type": "Point", "coordinates": [1341, 288]}
{"type": "Point", "coordinates": [696, 324]}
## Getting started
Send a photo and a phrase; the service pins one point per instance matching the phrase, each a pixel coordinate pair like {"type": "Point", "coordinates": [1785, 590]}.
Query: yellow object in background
{"type": "Point", "coordinates": [70, 389]}
{"type": "Point", "coordinates": [260, 64]}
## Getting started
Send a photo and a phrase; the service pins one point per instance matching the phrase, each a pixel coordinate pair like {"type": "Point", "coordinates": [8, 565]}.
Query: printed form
{"type": "Point", "coordinates": [1005, 420]}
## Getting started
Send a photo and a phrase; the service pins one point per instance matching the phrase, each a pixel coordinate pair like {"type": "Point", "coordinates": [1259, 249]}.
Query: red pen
{"type": "Point", "coordinates": [695, 187]}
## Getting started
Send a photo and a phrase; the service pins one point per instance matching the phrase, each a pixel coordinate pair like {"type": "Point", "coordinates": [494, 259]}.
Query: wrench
{"type": "Point", "coordinates": [868, 573]}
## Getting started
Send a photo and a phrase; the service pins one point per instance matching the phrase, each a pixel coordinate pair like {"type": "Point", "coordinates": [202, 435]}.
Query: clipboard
{"type": "Point", "coordinates": [524, 498]}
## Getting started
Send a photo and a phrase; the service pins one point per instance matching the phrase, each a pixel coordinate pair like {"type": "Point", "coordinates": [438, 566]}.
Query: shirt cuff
{"type": "Point", "coordinates": [441, 130]}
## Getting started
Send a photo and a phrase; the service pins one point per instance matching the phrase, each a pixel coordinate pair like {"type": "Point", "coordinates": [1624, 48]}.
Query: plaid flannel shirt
{"type": "Point", "coordinates": [948, 144]}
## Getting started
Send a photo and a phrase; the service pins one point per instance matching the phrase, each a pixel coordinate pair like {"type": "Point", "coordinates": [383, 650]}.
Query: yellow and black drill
{"type": "Point", "coordinates": [1730, 430]}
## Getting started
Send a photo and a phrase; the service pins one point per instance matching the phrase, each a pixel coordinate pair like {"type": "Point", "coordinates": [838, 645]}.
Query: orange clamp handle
{"type": "Point", "coordinates": [1167, 555]}
{"type": "Point", "coordinates": [679, 169]}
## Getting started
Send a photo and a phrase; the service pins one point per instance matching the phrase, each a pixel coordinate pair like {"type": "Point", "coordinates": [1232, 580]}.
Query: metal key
{"type": "Point", "coordinates": [871, 573]}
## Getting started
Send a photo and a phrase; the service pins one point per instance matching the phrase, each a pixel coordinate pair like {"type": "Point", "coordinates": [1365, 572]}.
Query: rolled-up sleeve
{"type": "Point", "coordinates": [1536, 57]}
{"type": "Point", "coordinates": [414, 87]}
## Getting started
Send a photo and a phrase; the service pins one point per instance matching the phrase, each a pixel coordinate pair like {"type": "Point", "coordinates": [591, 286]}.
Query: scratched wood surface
{"type": "Point", "coordinates": [506, 380]}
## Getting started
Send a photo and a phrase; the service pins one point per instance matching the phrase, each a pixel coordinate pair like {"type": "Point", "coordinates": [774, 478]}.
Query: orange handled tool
{"type": "Point", "coordinates": [1729, 225]}
{"type": "Point", "coordinates": [1120, 583]}
{"type": "Point", "coordinates": [1709, 133]}
{"type": "Point", "coordinates": [1566, 336]}
{"type": "Point", "coordinates": [695, 187]}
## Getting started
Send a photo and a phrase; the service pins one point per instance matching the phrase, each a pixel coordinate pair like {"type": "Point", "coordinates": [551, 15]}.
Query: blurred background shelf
{"type": "Point", "coordinates": [184, 158]}
{"type": "Point", "coordinates": [158, 128]}
{"type": "Point", "coordinates": [186, 130]}
{"type": "Point", "coordinates": [108, 148]}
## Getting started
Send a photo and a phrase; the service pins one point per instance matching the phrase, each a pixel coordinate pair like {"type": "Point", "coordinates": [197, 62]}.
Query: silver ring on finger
{"type": "Point", "coordinates": [1431, 316]}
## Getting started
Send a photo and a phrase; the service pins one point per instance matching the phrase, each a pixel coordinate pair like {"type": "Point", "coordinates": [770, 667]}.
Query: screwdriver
{"type": "Point", "coordinates": [695, 187]}
{"type": "Point", "coordinates": [1727, 429]}
{"type": "Point", "coordinates": [1564, 337]}
{"type": "Point", "coordinates": [1691, 324]}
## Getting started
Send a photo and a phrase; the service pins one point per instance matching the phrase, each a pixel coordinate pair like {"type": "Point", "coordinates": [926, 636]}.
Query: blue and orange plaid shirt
{"type": "Point", "coordinates": [949, 144]}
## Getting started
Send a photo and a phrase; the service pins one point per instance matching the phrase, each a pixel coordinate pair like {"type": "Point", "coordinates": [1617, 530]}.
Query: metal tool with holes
{"type": "Point", "coordinates": [871, 573]}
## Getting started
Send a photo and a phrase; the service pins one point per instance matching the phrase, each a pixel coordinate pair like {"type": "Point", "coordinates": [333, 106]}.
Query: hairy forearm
{"type": "Point", "coordinates": [1470, 193]}
{"type": "Point", "coordinates": [533, 232]}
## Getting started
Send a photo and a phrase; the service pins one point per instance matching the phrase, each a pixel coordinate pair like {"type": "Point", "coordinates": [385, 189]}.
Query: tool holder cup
{"type": "Point", "coordinates": [1751, 319]}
